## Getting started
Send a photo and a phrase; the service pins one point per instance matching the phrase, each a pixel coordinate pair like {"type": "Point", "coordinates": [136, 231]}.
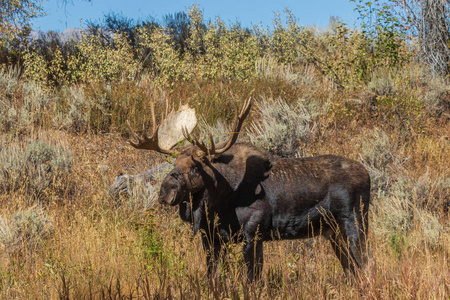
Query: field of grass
{"type": "Point", "coordinates": [63, 236]}
{"type": "Point", "coordinates": [63, 142]}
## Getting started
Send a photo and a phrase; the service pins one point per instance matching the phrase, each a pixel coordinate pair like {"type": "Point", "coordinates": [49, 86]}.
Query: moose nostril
{"type": "Point", "coordinates": [172, 196]}
{"type": "Point", "coordinates": [167, 197]}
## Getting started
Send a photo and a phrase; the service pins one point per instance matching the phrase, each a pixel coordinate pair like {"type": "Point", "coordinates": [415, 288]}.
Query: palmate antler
{"type": "Point", "coordinates": [148, 143]}
{"type": "Point", "coordinates": [168, 133]}
{"type": "Point", "coordinates": [233, 138]}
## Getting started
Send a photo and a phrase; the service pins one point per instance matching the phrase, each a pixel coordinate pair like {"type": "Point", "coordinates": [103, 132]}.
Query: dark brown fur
{"type": "Point", "coordinates": [255, 197]}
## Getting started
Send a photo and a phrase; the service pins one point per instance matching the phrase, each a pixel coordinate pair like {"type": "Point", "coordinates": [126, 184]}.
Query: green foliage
{"type": "Point", "coordinates": [197, 31]}
{"type": "Point", "coordinates": [383, 30]}
{"type": "Point", "coordinates": [194, 49]}
{"type": "Point", "coordinates": [285, 41]}
{"type": "Point", "coordinates": [156, 256]}
{"type": "Point", "coordinates": [229, 52]}
{"type": "Point", "coordinates": [349, 58]}
{"type": "Point", "coordinates": [151, 242]}
{"type": "Point", "coordinates": [167, 65]}
{"type": "Point", "coordinates": [35, 66]}
{"type": "Point", "coordinates": [99, 62]}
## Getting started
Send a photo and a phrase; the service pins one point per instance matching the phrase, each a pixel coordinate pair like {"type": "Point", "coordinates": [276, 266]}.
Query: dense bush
{"type": "Point", "coordinates": [25, 229]}
{"type": "Point", "coordinates": [316, 91]}
{"type": "Point", "coordinates": [35, 168]}
{"type": "Point", "coordinates": [185, 46]}
{"type": "Point", "coordinates": [23, 104]}
{"type": "Point", "coordinates": [281, 129]}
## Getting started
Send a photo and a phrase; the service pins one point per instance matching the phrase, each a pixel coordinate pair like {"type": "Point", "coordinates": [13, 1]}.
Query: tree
{"type": "Point", "coordinates": [15, 17]}
{"type": "Point", "coordinates": [429, 21]}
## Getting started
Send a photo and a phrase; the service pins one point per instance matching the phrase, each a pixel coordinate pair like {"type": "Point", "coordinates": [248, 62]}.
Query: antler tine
{"type": "Point", "coordinates": [132, 133]}
{"type": "Point", "coordinates": [147, 143]}
{"type": "Point", "coordinates": [236, 130]}
{"type": "Point", "coordinates": [186, 134]}
{"type": "Point", "coordinates": [237, 126]}
{"type": "Point", "coordinates": [213, 146]}
{"type": "Point", "coordinates": [196, 142]}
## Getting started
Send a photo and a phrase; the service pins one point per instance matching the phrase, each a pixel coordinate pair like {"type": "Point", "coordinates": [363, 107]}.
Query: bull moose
{"type": "Point", "coordinates": [233, 192]}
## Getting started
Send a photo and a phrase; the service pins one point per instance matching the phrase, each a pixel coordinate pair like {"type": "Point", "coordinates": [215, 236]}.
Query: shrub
{"type": "Point", "coordinates": [378, 154]}
{"type": "Point", "coordinates": [219, 131]}
{"type": "Point", "coordinates": [35, 66]}
{"type": "Point", "coordinates": [36, 168]}
{"type": "Point", "coordinates": [25, 229]}
{"type": "Point", "coordinates": [437, 97]}
{"type": "Point", "coordinates": [402, 210]}
{"type": "Point", "coordinates": [167, 66]}
{"type": "Point", "coordinates": [378, 149]}
{"type": "Point", "coordinates": [74, 110]}
{"type": "Point", "coordinates": [267, 67]}
{"type": "Point", "coordinates": [24, 104]}
{"type": "Point", "coordinates": [382, 84]}
{"type": "Point", "coordinates": [9, 81]}
{"type": "Point", "coordinates": [280, 128]}
{"type": "Point", "coordinates": [141, 189]}
{"type": "Point", "coordinates": [99, 62]}
{"type": "Point", "coordinates": [428, 193]}
{"type": "Point", "coordinates": [230, 53]}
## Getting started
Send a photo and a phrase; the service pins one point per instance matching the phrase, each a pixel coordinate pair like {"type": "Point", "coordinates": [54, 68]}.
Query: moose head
{"type": "Point", "coordinates": [192, 162]}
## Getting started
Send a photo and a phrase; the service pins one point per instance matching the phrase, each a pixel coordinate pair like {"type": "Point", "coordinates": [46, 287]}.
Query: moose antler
{"type": "Point", "coordinates": [235, 132]}
{"type": "Point", "coordinates": [146, 142]}
{"type": "Point", "coordinates": [168, 133]}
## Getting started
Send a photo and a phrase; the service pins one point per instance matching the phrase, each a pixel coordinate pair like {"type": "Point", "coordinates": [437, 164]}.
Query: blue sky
{"type": "Point", "coordinates": [247, 12]}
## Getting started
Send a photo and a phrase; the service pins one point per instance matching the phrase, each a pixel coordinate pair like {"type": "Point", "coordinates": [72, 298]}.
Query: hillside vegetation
{"type": "Point", "coordinates": [63, 112]}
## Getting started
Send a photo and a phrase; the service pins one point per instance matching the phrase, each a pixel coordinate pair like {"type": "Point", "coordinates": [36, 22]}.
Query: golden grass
{"type": "Point", "coordinates": [98, 250]}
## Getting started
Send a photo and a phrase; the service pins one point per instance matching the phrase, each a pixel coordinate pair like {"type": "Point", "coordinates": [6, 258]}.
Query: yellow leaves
{"type": "Point", "coordinates": [103, 62]}
{"type": "Point", "coordinates": [35, 66]}
{"type": "Point", "coordinates": [16, 14]}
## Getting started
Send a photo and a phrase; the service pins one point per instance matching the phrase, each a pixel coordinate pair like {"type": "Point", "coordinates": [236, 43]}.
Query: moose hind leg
{"type": "Point", "coordinates": [356, 229]}
{"type": "Point", "coordinates": [340, 247]}
{"type": "Point", "coordinates": [355, 239]}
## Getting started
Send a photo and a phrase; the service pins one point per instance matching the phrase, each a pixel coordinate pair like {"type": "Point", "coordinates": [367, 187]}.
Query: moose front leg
{"type": "Point", "coordinates": [214, 252]}
{"type": "Point", "coordinates": [253, 257]}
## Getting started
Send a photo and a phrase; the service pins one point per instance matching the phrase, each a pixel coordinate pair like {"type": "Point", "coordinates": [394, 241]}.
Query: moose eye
{"type": "Point", "coordinates": [193, 170]}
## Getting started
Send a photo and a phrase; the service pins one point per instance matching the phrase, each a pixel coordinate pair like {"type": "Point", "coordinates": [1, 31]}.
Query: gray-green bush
{"type": "Point", "coordinates": [34, 167]}
{"type": "Point", "coordinates": [76, 114]}
{"type": "Point", "coordinates": [24, 229]}
{"type": "Point", "coordinates": [437, 97]}
{"type": "Point", "coordinates": [280, 128]}
{"type": "Point", "coordinates": [22, 104]}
